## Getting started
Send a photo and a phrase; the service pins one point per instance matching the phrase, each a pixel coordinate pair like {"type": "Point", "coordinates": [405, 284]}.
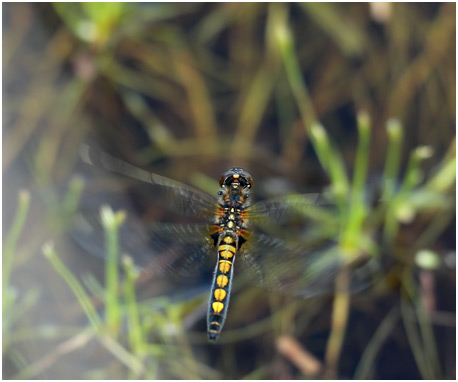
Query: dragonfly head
{"type": "Point", "coordinates": [236, 178]}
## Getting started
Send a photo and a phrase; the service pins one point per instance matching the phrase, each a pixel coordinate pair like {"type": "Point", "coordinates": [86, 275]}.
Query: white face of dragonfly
{"type": "Point", "coordinates": [235, 185]}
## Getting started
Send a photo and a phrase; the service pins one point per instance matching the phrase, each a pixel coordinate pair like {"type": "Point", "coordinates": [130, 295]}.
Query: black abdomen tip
{"type": "Point", "coordinates": [213, 331]}
{"type": "Point", "coordinates": [213, 336]}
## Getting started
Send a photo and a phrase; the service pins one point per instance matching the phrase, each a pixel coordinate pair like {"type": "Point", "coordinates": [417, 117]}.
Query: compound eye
{"type": "Point", "coordinates": [221, 180]}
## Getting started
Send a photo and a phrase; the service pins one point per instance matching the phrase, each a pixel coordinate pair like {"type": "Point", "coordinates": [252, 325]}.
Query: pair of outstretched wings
{"type": "Point", "coordinates": [273, 257]}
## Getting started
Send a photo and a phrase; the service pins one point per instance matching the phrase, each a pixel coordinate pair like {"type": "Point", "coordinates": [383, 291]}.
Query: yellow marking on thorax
{"type": "Point", "coordinates": [220, 294]}
{"type": "Point", "coordinates": [225, 266]}
{"type": "Point", "coordinates": [222, 281]}
{"type": "Point", "coordinates": [217, 307]}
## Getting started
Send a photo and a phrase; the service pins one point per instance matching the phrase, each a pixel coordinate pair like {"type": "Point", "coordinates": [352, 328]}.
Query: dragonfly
{"type": "Point", "coordinates": [228, 226]}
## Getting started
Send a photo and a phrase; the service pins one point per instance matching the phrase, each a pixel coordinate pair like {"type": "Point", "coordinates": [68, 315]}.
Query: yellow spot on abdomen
{"type": "Point", "coordinates": [225, 266]}
{"type": "Point", "coordinates": [217, 307]}
{"type": "Point", "coordinates": [222, 281]}
{"type": "Point", "coordinates": [226, 247]}
{"type": "Point", "coordinates": [220, 294]}
{"type": "Point", "coordinates": [226, 254]}
{"type": "Point", "coordinates": [228, 240]}
{"type": "Point", "coordinates": [230, 224]}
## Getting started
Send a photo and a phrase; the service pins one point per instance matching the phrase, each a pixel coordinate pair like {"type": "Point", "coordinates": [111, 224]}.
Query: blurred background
{"type": "Point", "coordinates": [186, 91]}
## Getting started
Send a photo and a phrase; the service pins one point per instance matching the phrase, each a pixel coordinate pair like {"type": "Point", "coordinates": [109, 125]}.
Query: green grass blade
{"type": "Point", "coordinates": [129, 360]}
{"type": "Point", "coordinates": [136, 334]}
{"type": "Point", "coordinates": [285, 42]}
{"type": "Point", "coordinates": [414, 339]}
{"type": "Point", "coordinates": [332, 163]}
{"type": "Point", "coordinates": [357, 210]}
{"type": "Point", "coordinates": [340, 312]}
{"type": "Point", "coordinates": [111, 222]}
{"type": "Point", "coordinates": [350, 37]}
{"type": "Point", "coordinates": [75, 286]}
{"type": "Point", "coordinates": [431, 261]}
{"type": "Point", "coordinates": [362, 154]}
{"type": "Point", "coordinates": [414, 175]}
{"type": "Point", "coordinates": [374, 345]}
{"type": "Point", "coordinates": [73, 195]}
{"type": "Point", "coordinates": [445, 178]}
{"type": "Point", "coordinates": [401, 207]}
{"type": "Point", "coordinates": [395, 133]}
{"type": "Point", "coordinates": [33, 370]}
{"type": "Point", "coordinates": [11, 241]}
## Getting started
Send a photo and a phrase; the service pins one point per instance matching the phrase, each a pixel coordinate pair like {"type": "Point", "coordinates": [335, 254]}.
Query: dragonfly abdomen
{"type": "Point", "coordinates": [221, 287]}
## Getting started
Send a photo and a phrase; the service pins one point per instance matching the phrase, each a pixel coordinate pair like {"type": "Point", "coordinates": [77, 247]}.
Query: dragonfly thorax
{"type": "Point", "coordinates": [231, 218]}
{"type": "Point", "coordinates": [234, 197]}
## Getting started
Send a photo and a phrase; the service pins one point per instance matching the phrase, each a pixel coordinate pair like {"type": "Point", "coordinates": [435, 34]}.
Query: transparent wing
{"type": "Point", "coordinates": [297, 270]}
{"type": "Point", "coordinates": [285, 208]}
{"type": "Point", "coordinates": [276, 262]}
{"type": "Point", "coordinates": [302, 217]}
{"type": "Point", "coordinates": [158, 249]}
{"type": "Point", "coordinates": [180, 197]}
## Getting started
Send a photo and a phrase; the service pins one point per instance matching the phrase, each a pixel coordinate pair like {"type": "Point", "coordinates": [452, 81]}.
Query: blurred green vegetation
{"type": "Point", "coordinates": [356, 99]}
